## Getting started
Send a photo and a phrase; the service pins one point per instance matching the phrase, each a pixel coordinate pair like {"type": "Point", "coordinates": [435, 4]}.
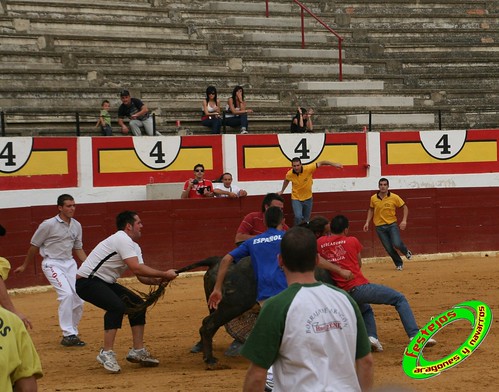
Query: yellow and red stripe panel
{"type": "Point", "coordinates": [439, 152]}
{"type": "Point", "coordinates": [268, 157]}
{"type": "Point", "coordinates": [125, 161]}
{"type": "Point", "coordinates": [38, 162]}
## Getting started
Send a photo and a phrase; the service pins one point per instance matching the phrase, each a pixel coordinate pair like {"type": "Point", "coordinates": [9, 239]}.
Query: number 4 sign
{"type": "Point", "coordinates": [307, 147]}
{"type": "Point", "coordinates": [157, 152]}
{"type": "Point", "coordinates": [14, 153]}
{"type": "Point", "coordinates": [443, 145]}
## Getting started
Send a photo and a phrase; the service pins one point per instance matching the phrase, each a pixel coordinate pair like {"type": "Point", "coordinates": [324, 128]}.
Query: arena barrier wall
{"type": "Point", "coordinates": [449, 180]}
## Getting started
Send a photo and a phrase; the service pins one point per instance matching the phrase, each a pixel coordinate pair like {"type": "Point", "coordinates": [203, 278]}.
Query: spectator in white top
{"type": "Point", "coordinates": [226, 188]}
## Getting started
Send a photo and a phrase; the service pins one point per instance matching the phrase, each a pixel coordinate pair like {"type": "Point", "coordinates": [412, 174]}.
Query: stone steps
{"type": "Point", "coordinates": [426, 52]}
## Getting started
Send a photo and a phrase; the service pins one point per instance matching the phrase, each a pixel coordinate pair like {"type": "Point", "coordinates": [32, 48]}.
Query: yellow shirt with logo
{"type": "Point", "coordinates": [385, 210]}
{"type": "Point", "coordinates": [302, 182]}
{"type": "Point", "coordinates": [18, 356]}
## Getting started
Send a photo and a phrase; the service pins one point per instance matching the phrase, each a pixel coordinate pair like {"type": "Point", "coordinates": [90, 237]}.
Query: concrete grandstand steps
{"type": "Point", "coordinates": [412, 9]}
{"type": "Point", "coordinates": [99, 44]}
{"type": "Point", "coordinates": [330, 54]}
{"type": "Point", "coordinates": [393, 119]}
{"type": "Point", "coordinates": [57, 7]}
{"type": "Point", "coordinates": [182, 47]}
{"type": "Point", "coordinates": [371, 102]}
{"type": "Point", "coordinates": [110, 3]}
{"type": "Point", "coordinates": [253, 8]}
{"type": "Point", "coordinates": [144, 30]}
{"type": "Point", "coordinates": [117, 45]}
{"type": "Point", "coordinates": [425, 36]}
{"type": "Point", "coordinates": [331, 69]}
{"type": "Point", "coordinates": [345, 85]}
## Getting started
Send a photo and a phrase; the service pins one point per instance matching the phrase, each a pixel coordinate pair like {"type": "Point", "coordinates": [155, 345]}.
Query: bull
{"type": "Point", "coordinates": [239, 295]}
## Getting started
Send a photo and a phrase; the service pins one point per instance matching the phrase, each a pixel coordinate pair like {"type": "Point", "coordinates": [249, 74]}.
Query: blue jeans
{"type": "Point", "coordinates": [390, 238]}
{"type": "Point", "coordinates": [302, 210]}
{"type": "Point", "coordinates": [214, 123]}
{"type": "Point", "coordinates": [237, 121]}
{"type": "Point", "coordinates": [378, 294]}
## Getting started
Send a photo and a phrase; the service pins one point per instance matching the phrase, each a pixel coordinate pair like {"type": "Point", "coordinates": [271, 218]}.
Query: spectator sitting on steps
{"type": "Point", "coordinates": [302, 121]}
{"type": "Point", "coordinates": [137, 112]}
{"type": "Point", "coordinates": [104, 121]}
{"type": "Point", "coordinates": [211, 111]}
{"type": "Point", "coordinates": [237, 113]}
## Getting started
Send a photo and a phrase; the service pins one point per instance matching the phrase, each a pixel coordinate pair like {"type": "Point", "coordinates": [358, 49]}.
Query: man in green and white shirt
{"type": "Point", "coordinates": [312, 334]}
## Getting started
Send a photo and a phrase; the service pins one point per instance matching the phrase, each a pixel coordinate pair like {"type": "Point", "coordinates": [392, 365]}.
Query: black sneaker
{"type": "Point", "coordinates": [408, 254]}
{"type": "Point", "coordinates": [72, 341]}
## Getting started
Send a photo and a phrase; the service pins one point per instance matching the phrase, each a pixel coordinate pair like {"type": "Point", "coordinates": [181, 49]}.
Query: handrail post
{"type": "Point", "coordinates": [304, 8]}
{"type": "Point", "coordinates": [302, 28]}
{"type": "Point", "coordinates": [370, 120]}
{"type": "Point", "coordinates": [267, 8]}
{"type": "Point", "coordinates": [2, 122]}
{"type": "Point", "coordinates": [340, 60]}
{"type": "Point", "coordinates": [439, 119]}
{"type": "Point", "coordinates": [77, 116]}
{"type": "Point", "coordinates": [154, 124]}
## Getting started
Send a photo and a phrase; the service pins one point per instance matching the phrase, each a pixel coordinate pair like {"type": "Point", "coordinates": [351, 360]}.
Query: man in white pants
{"type": "Point", "coordinates": [55, 239]}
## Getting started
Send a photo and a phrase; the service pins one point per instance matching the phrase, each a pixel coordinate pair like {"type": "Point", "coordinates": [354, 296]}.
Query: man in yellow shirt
{"type": "Point", "coordinates": [301, 179]}
{"type": "Point", "coordinates": [383, 211]}
{"type": "Point", "coordinates": [19, 362]}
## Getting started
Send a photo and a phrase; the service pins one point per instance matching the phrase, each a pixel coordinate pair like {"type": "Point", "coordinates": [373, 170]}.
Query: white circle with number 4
{"type": "Point", "coordinates": [306, 146]}
{"type": "Point", "coordinates": [14, 153]}
{"type": "Point", "coordinates": [443, 144]}
{"type": "Point", "coordinates": [157, 152]}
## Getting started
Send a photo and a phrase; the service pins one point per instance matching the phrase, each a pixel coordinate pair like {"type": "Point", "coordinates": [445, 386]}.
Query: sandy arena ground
{"type": "Point", "coordinates": [431, 286]}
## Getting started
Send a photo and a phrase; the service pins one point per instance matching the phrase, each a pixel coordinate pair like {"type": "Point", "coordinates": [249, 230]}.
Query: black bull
{"type": "Point", "coordinates": [238, 296]}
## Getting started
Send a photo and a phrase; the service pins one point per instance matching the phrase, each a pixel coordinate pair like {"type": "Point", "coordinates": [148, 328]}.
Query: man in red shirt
{"type": "Point", "coordinates": [344, 251]}
{"type": "Point", "coordinates": [197, 187]}
{"type": "Point", "coordinates": [254, 223]}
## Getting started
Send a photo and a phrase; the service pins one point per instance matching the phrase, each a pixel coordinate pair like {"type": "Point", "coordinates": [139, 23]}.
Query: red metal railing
{"type": "Point", "coordinates": [304, 9]}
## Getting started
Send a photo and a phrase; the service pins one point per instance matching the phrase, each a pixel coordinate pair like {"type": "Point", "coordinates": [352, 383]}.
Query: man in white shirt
{"type": "Point", "coordinates": [56, 239]}
{"type": "Point", "coordinates": [96, 283]}
{"type": "Point", "coordinates": [226, 188]}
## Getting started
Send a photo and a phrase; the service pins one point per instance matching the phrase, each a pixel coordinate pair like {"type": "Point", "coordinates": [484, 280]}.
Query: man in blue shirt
{"type": "Point", "coordinates": [263, 250]}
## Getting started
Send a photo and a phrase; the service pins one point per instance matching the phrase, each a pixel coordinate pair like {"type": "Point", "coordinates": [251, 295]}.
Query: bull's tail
{"type": "Point", "coordinates": [208, 262]}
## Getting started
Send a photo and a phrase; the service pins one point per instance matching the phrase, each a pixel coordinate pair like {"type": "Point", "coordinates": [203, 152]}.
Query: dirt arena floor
{"type": "Point", "coordinates": [431, 286]}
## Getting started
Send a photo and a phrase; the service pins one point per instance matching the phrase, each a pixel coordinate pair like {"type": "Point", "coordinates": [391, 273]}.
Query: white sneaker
{"type": "Point", "coordinates": [269, 384]}
{"type": "Point", "coordinates": [376, 346]}
{"type": "Point", "coordinates": [243, 131]}
{"type": "Point", "coordinates": [408, 254]}
{"type": "Point", "coordinates": [108, 360]}
{"type": "Point", "coordinates": [399, 268]}
{"type": "Point", "coordinates": [430, 343]}
{"type": "Point", "coordinates": [143, 357]}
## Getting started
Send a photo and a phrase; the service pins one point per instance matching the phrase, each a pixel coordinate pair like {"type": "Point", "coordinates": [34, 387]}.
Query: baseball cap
{"type": "Point", "coordinates": [124, 93]}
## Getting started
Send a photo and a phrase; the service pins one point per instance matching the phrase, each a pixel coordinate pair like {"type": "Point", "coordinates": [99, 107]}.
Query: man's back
{"type": "Point", "coordinates": [310, 333]}
{"type": "Point", "coordinates": [343, 251]}
{"type": "Point", "coordinates": [263, 250]}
